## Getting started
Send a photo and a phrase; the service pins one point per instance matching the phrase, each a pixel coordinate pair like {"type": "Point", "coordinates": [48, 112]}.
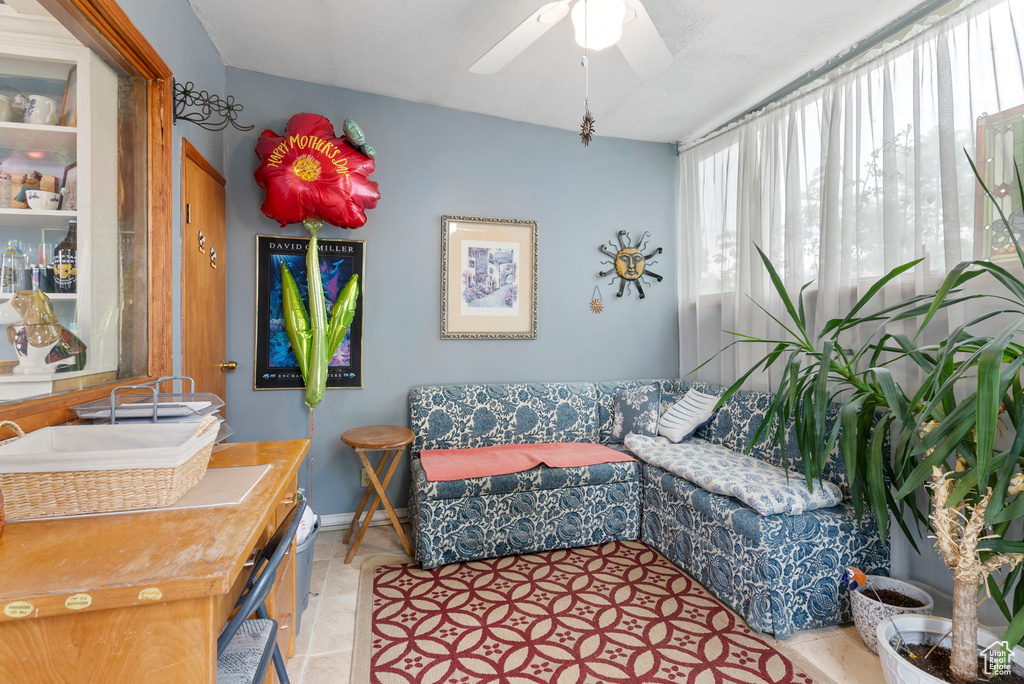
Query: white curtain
{"type": "Point", "coordinates": [856, 174]}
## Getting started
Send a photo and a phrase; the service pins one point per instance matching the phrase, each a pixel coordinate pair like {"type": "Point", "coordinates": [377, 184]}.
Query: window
{"type": "Point", "coordinates": [73, 246]}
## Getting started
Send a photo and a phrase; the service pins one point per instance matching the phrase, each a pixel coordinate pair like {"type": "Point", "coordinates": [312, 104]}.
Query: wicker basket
{"type": "Point", "coordinates": [53, 494]}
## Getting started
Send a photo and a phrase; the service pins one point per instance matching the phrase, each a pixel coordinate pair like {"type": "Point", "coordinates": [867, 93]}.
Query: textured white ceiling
{"type": "Point", "coordinates": [729, 54]}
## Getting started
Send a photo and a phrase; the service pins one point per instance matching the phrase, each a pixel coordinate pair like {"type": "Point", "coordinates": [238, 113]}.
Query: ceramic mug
{"type": "Point", "coordinates": [40, 199]}
{"type": "Point", "coordinates": [6, 108]}
{"type": "Point", "coordinates": [40, 110]}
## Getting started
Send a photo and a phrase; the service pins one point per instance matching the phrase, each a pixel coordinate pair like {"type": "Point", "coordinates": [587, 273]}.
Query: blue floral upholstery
{"type": "Point", "coordinates": [475, 527]}
{"type": "Point", "coordinates": [636, 410]}
{"type": "Point", "coordinates": [766, 488]}
{"type": "Point", "coordinates": [540, 509]}
{"type": "Point", "coordinates": [736, 423]}
{"type": "Point", "coordinates": [468, 416]}
{"type": "Point", "coordinates": [671, 392]}
{"type": "Point", "coordinates": [780, 572]}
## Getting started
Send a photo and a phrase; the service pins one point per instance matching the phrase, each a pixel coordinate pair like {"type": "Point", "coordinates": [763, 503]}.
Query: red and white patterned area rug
{"type": "Point", "coordinates": [619, 612]}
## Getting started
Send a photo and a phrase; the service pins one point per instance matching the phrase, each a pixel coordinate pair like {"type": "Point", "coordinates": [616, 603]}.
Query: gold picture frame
{"type": "Point", "coordinates": [488, 278]}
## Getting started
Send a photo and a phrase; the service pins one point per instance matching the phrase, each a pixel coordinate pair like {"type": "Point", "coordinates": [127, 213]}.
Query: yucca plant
{"type": "Point", "coordinates": [943, 429]}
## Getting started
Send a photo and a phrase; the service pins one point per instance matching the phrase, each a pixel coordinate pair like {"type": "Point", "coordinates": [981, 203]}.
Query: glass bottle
{"type": "Point", "coordinates": [65, 260]}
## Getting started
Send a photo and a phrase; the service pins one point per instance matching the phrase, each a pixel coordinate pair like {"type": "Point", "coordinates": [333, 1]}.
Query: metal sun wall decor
{"type": "Point", "coordinates": [629, 263]}
{"type": "Point", "coordinates": [214, 113]}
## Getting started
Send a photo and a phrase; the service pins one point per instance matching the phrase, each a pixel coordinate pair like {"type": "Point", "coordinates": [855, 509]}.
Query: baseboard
{"type": "Point", "coordinates": [339, 521]}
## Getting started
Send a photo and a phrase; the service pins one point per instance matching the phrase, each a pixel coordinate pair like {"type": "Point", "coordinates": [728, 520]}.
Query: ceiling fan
{"type": "Point", "coordinates": [598, 24]}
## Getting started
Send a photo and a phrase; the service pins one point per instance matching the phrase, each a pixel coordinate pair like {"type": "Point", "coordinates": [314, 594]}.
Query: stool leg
{"type": "Point", "coordinates": [366, 497]}
{"type": "Point", "coordinates": [381, 488]}
{"type": "Point", "coordinates": [390, 509]}
{"type": "Point", "coordinates": [378, 494]}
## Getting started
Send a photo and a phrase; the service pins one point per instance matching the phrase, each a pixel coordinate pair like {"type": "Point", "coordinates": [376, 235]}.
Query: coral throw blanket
{"type": "Point", "coordinates": [442, 465]}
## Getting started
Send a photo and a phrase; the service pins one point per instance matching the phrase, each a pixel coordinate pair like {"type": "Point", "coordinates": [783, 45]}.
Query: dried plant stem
{"type": "Point", "coordinates": [958, 530]}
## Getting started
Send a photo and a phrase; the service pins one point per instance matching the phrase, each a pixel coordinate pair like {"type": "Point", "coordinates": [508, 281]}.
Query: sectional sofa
{"type": "Point", "coordinates": [781, 572]}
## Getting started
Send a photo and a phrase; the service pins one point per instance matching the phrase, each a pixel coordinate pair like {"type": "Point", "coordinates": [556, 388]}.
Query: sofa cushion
{"type": "Point", "coordinates": [538, 478]}
{"type": "Point", "coordinates": [468, 416]}
{"type": "Point", "coordinates": [737, 421]}
{"type": "Point", "coordinates": [671, 392]}
{"type": "Point", "coordinates": [635, 410]}
{"type": "Point", "coordinates": [683, 418]}
{"type": "Point", "coordinates": [506, 459]}
{"type": "Point", "coordinates": [766, 488]}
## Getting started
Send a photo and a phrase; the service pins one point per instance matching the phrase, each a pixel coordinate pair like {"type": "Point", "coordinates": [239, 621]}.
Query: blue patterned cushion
{"type": "Point", "coordinates": [671, 392]}
{"type": "Point", "coordinates": [736, 422]}
{"type": "Point", "coordinates": [686, 415]}
{"type": "Point", "coordinates": [767, 489]}
{"type": "Point", "coordinates": [635, 411]}
{"type": "Point", "coordinates": [467, 416]}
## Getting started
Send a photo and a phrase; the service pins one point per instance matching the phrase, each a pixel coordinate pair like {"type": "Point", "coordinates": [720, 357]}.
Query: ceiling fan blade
{"type": "Point", "coordinates": [521, 37]}
{"type": "Point", "coordinates": [642, 45]}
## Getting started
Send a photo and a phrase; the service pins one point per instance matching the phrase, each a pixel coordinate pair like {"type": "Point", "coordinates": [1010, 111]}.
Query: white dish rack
{"type": "Point", "coordinates": [146, 404]}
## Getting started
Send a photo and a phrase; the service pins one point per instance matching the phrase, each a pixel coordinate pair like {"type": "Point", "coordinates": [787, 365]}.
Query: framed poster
{"type": "Point", "coordinates": [275, 365]}
{"type": "Point", "coordinates": [488, 278]}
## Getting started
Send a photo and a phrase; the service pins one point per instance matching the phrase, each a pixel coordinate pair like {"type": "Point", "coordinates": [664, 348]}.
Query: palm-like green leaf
{"type": "Point", "coordinates": [966, 379]}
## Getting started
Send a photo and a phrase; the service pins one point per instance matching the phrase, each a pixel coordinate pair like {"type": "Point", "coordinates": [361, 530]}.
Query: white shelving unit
{"type": "Point", "coordinates": [38, 138]}
{"type": "Point", "coordinates": [35, 218]}
{"type": "Point", "coordinates": [38, 47]}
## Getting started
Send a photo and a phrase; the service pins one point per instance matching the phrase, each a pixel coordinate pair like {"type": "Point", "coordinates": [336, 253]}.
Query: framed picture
{"type": "Point", "coordinates": [69, 188]}
{"type": "Point", "coordinates": [275, 365]}
{"type": "Point", "coordinates": [488, 278]}
{"type": "Point", "coordinates": [69, 103]}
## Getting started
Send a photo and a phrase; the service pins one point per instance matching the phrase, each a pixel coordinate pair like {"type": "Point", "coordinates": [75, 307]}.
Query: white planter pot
{"type": "Point", "coordinates": [899, 670]}
{"type": "Point", "coordinates": [868, 611]}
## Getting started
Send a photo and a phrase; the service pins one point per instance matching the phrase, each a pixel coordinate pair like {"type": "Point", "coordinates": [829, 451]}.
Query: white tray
{"type": "Point", "coordinates": [105, 447]}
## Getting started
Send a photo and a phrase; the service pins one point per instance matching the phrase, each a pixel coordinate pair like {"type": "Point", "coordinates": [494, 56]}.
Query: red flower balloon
{"type": "Point", "coordinates": [309, 173]}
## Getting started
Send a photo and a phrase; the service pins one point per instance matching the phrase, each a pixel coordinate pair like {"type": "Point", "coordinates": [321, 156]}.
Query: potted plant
{"type": "Point", "coordinates": [943, 435]}
{"type": "Point", "coordinates": [879, 599]}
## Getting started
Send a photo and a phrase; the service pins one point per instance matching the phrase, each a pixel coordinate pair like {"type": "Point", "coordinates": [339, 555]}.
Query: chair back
{"type": "Point", "coordinates": [264, 571]}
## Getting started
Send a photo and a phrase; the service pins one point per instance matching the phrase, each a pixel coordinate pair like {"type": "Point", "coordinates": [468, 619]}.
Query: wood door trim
{"type": "Point", "coordinates": [189, 152]}
{"type": "Point", "coordinates": [104, 27]}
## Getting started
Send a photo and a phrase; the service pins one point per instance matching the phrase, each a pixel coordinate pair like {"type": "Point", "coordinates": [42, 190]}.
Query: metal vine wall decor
{"type": "Point", "coordinates": [629, 263]}
{"type": "Point", "coordinates": [214, 113]}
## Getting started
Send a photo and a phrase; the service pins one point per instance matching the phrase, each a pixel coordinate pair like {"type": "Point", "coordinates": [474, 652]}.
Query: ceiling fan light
{"type": "Point", "coordinates": [598, 23]}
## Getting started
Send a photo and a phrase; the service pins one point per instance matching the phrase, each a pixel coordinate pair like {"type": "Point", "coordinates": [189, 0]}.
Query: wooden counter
{"type": "Point", "coordinates": [141, 597]}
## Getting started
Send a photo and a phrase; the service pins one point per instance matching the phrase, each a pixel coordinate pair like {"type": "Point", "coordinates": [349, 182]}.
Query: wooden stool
{"type": "Point", "coordinates": [391, 440]}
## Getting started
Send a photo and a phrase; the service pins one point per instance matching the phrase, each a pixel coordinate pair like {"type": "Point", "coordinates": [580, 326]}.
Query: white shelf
{"type": "Point", "coordinates": [36, 137]}
{"type": "Point", "coordinates": [53, 296]}
{"type": "Point", "coordinates": [36, 218]}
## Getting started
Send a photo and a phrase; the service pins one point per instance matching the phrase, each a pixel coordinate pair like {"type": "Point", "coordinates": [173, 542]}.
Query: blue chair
{"type": "Point", "coordinates": [245, 647]}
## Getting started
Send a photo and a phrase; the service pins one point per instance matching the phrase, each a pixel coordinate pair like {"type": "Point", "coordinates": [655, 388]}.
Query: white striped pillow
{"type": "Point", "coordinates": [686, 415]}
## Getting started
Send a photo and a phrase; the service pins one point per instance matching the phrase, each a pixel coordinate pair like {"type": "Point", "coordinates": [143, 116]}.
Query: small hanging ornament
{"type": "Point", "coordinates": [587, 127]}
{"type": "Point", "coordinates": [596, 303]}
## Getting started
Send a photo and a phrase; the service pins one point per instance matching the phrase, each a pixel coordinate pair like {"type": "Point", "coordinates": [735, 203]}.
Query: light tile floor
{"type": "Point", "coordinates": [323, 648]}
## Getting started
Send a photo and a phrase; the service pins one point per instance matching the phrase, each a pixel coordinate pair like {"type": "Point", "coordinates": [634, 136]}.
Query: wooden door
{"type": "Point", "coordinates": [203, 263]}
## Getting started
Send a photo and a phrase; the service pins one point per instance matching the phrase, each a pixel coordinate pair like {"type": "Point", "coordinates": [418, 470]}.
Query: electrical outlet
{"type": "Point", "coordinates": [364, 479]}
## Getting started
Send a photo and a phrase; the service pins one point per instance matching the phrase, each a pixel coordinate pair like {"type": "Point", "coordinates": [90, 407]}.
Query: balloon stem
{"type": "Point", "coordinates": [316, 382]}
{"type": "Point", "coordinates": [311, 478]}
{"type": "Point", "coordinates": [313, 226]}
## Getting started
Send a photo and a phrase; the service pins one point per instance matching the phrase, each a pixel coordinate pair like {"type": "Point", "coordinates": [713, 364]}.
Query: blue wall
{"type": "Point", "coordinates": [434, 161]}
